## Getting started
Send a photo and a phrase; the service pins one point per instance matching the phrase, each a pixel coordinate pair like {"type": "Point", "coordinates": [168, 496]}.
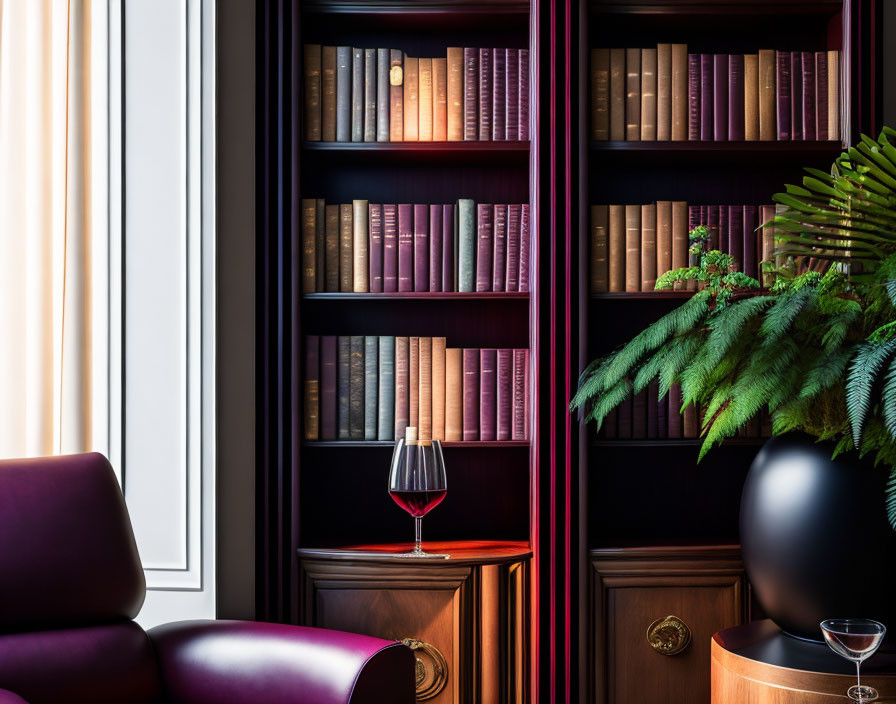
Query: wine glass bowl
{"type": "Point", "coordinates": [855, 639]}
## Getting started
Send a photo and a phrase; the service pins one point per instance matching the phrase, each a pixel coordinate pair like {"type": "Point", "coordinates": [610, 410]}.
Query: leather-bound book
{"type": "Point", "coordinates": [512, 273]}
{"type": "Point", "coordinates": [411, 99]}
{"type": "Point", "coordinates": [650, 401]}
{"type": "Point", "coordinates": [343, 94]}
{"type": "Point", "coordinates": [617, 94]}
{"type": "Point", "coordinates": [616, 219]}
{"type": "Point", "coordinates": [375, 258]}
{"type": "Point", "coordinates": [690, 427]}
{"type": "Point", "coordinates": [488, 384]}
{"type": "Point", "coordinates": [328, 376]}
{"type": "Point", "coordinates": [524, 247]}
{"type": "Point", "coordinates": [357, 95]}
{"type": "Point", "coordinates": [768, 98]}
{"type": "Point", "coordinates": [484, 240]}
{"type": "Point", "coordinates": [736, 235]}
{"type": "Point", "coordinates": [454, 395]}
{"type": "Point", "coordinates": [693, 97]}
{"type": "Point", "coordinates": [438, 388]}
{"type": "Point", "coordinates": [662, 416]}
{"type": "Point", "coordinates": [312, 65]}
{"type": "Point", "coordinates": [385, 423]}
{"type": "Point", "coordinates": [648, 247]}
{"type": "Point", "coordinates": [356, 389]}
{"type": "Point", "coordinates": [370, 96]}
{"type": "Point", "coordinates": [633, 95]}
{"type": "Point", "coordinates": [466, 250]}
{"type": "Point", "coordinates": [809, 96]}
{"type": "Point", "coordinates": [712, 221]}
{"type": "Point", "coordinates": [371, 379]}
{"type": "Point", "coordinates": [523, 132]}
{"type": "Point", "coordinates": [343, 386]}
{"type": "Point", "coordinates": [471, 394]}
{"type": "Point", "coordinates": [414, 382]}
{"type": "Point", "coordinates": [796, 95]}
{"type": "Point", "coordinates": [600, 94]}
{"type": "Point", "coordinates": [471, 94]}
{"type": "Point", "coordinates": [390, 248]}
{"type": "Point", "coordinates": [485, 95]}
{"type": "Point", "coordinates": [512, 94]}
{"type": "Point", "coordinates": [648, 95]}
{"type": "Point", "coordinates": [783, 83]}
{"type": "Point", "coordinates": [639, 415]}
{"type": "Point", "coordinates": [499, 249]}
{"type": "Point", "coordinates": [767, 235]}
{"type": "Point", "coordinates": [311, 406]}
{"type": "Point", "coordinates": [664, 92]}
{"type": "Point", "coordinates": [421, 247]}
{"type": "Point", "coordinates": [720, 97]}
{"type": "Point", "coordinates": [504, 394]}
{"type": "Point", "coordinates": [674, 413]}
{"type": "Point", "coordinates": [402, 385]}
{"type": "Point", "coordinates": [346, 257]}
{"type": "Point", "coordinates": [679, 236]}
{"type": "Point", "coordinates": [499, 95]}
{"type": "Point", "coordinates": [736, 97]}
{"type": "Point", "coordinates": [320, 244]}
{"type": "Point", "coordinates": [821, 95]}
{"type": "Point", "coordinates": [520, 428]}
{"type": "Point", "coordinates": [424, 394]}
{"type": "Point", "coordinates": [624, 419]}
{"type": "Point", "coordinates": [309, 260]}
{"type": "Point", "coordinates": [455, 126]}
{"type": "Point", "coordinates": [360, 234]}
{"type": "Point", "coordinates": [663, 237]}
{"type": "Point", "coordinates": [707, 102]}
{"type": "Point", "coordinates": [439, 100]}
{"type": "Point", "coordinates": [424, 69]}
{"type": "Point", "coordinates": [331, 248]}
{"type": "Point", "coordinates": [383, 61]}
{"type": "Point", "coordinates": [405, 247]}
{"type": "Point", "coordinates": [679, 91]}
{"type": "Point", "coordinates": [633, 248]}
{"type": "Point", "coordinates": [599, 263]}
{"type": "Point", "coordinates": [448, 248]}
{"type": "Point", "coordinates": [833, 72]}
{"type": "Point", "coordinates": [723, 228]}
{"type": "Point", "coordinates": [328, 93]}
{"type": "Point", "coordinates": [751, 97]}
{"type": "Point", "coordinates": [396, 96]}
{"type": "Point", "coordinates": [435, 248]}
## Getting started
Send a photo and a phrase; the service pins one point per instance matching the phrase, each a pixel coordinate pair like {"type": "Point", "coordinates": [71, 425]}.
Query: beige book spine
{"type": "Point", "coordinates": [833, 94]}
{"type": "Point", "coordinates": [424, 71]}
{"type": "Point", "coordinates": [346, 258]}
{"type": "Point", "coordinates": [633, 248]}
{"type": "Point", "coordinates": [396, 96]}
{"type": "Point", "coordinates": [751, 96]}
{"type": "Point", "coordinates": [439, 100]}
{"type": "Point", "coordinates": [617, 94]}
{"type": "Point", "coordinates": [454, 375]}
{"type": "Point", "coordinates": [411, 100]}
{"type": "Point", "coordinates": [331, 255]}
{"type": "Point", "coordinates": [599, 263]}
{"type": "Point", "coordinates": [616, 219]}
{"type": "Point", "coordinates": [600, 94]}
{"type": "Point", "coordinates": [768, 101]}
{"type": "Point", "coordinates": [633, 95]}
{"type": "Point", "coordinates": [360, 234]}
{"type": "Point", "coordinates": [328, 93]}
{"type": "Point", "coordinates": [438, 388]}
{"type": "Point", "coordinates": [663, 237]}
{"type": "Point", "coordinates": [679, 237]}
{"type": "Point", "coordinates": [648, 95]}
{"type": "Point", "coordinates": [425, 393]}
{"type": "Point", "coordinates": [309, 218]}
{"type": "Point", "coordinates": [648, 247]}
{"type": "Point", "coordinates": [679, 91]}
{"type": "Point", "coordinates": [455, 94]}
{"type": "Point", "coordinates": [664, 92]}
{"type": "Point", "coordinates": [312, 56]}
{"type": "Point", "coordinates": [414, 382]}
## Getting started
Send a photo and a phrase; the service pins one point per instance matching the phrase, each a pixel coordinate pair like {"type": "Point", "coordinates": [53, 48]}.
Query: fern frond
{"type": "Point", "coordinates": [868, 361]}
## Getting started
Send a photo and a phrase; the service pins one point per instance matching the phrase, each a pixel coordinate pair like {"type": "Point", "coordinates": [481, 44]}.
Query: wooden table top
{"type": "Point", "coordinates": [466, 552]}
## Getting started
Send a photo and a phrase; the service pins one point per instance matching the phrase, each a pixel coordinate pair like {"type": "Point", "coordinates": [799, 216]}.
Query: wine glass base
{"type": "Point", "coordinates": [423, 555]}
{"type": "Point", "coordinates": [862, 694]}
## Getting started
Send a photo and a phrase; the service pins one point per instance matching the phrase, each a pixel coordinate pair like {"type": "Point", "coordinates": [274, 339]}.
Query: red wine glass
{"type": "Point", "coordinates": [855, 639]}
{"type": "Point", "coordinates": [417, 482]}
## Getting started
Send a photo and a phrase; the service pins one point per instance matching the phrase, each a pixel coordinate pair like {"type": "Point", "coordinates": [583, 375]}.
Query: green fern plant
{"type": "Point", "coordinates": [817, 348]}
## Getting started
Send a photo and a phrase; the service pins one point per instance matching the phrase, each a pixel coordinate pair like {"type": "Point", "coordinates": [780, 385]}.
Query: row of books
{"type": "Point", "coordinates": [668, 94]}
{"type": "Point", "coordinates": [384, 95]}
{"type": "Point", "coordinates": [632, 245]}
{"type": "Point", "coordinates": [363, 247]}
{"type": "Point", "coordinates": [373, 387]}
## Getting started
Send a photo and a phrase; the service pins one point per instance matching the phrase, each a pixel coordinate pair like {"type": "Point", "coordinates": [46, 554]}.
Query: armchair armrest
{"type": "Point", "coordinates": [7, 697]}
{"type": "Point", "coordinates": [242, 662]}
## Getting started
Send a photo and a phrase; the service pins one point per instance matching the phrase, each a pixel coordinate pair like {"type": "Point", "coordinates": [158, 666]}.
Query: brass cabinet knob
{"type": "Point", "coordinates": [669, 635]}
{"type": "Point", "coordinates": [431, 668]}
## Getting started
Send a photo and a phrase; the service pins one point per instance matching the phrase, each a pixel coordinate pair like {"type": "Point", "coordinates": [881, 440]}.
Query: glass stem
{"type": "Point", "coordinates": [418, 534]}
{"type": "Point", "coordinates": [859, 679]}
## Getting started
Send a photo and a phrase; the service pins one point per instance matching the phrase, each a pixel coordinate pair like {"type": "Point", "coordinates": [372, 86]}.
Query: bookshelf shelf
{"type": "Point", "coordinates": [716, 7]}
{"type": "Point", "coordinates": [469, 444]}
{"type": "Point", "coordinates": [419, 296]}
{"type": "Point", "coordinates": [675, 442]}
{"type": "Point", "coordinates": [642, 296]}
{"type": "Point", "coordinates": [422, 152]}
{"type": "Point", "coordinates": [701, 154]}
{"type": "Point", "coordinates": [417, 7]}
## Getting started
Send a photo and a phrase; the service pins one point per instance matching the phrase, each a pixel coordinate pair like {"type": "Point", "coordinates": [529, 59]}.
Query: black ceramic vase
{"type": "Point", "coordinates": [815, 538]}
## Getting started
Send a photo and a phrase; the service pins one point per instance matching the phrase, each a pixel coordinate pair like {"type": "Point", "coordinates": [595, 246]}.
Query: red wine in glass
{"type": "Point", "coordinates": [418, 503]}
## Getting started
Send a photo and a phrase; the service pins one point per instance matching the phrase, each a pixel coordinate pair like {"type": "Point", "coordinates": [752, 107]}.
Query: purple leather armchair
{"type": "Point", "coordinates": [71, 581]}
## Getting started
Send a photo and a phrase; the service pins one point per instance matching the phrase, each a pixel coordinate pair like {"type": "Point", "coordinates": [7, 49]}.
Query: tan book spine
{"type": "Point", "coordinates": [425, 393]}
{"type": "Point", "coordinates": [346, 258]}
{"type": "Point", "coordinates": [617, 95]}
{"type": "Point", "coordinates": [328, 93]}
{"type": "Point", "coordinates": [331, 256]}
{"type": "Point", "coordinates": [411, 99]}
{"type": "Point", "coordinates": [679, 91]}
{"type": "Point", "coordinates": [767, 237]}
{"type": "Point", "coordinates": [751, 97]}
{"type": "Point", "coordinates": [360, 235]}
{"type": "Point", "coordinates": [633, 248]}
{"type": "Point", "coordinates": [438, 388]}
{"type": "Point", "coordinates": [599, 242]}
{"type": "Point", "coordinates": [312, 56]}
{"type": "Point", "coordinates": [309, 216]}
{"type": "Point", "coordinates": [768, 100]}
{"type": "Point", "coordinates": [616, 219]}
{"type": "Point", "coordinates": [425, 106]}
{"type": "Point", "coordinates": [414, 383]}
{"type": "Point", "coordinates": [439, 100]}
{"type": "Point", "coordinates": [402, 360]}
{"type": "Point", "coordinates": [633, 95]}
{"type": "Point", "coordinates": [679, 237]}
{"type": "Point", "coordinates": [833, 94]}
{"type": "Point", "coordinates": [455, 94]}
{"type": "Point", "coordinates": [320, 245]}
{"type": "Point", "coordinates": [664, 92]}
{"type": "Point", "coordinates": [454, 403]}
{"type": "Point", "coordinates": [600, 94]}
{"type": "Point", "coordinates": [648, 247]}
{"type": "Point", "coordinates": [663, 237]}
{"type": "Point", "coordinates": [396, 96]}
{"type": "Point", "coordinates": [648, 95]}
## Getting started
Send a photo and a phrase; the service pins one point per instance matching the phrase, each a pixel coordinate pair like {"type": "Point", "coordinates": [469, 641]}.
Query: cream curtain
{"type": "Point", "coordinates": [46, 227]}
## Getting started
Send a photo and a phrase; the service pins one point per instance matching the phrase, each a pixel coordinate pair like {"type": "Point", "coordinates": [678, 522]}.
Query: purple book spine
{"type": "Point", "coordinates": [487, 393]}
{"type": "Point", "coordinates": [512, 101]}
{"type": "Point", "coordinates": [796, 95]}
{"type": "Point", "coordinates": [783, 86]}
{"type": "Point", "coordinates": [499, 94]}
{"type": "Point", "coordinates": [312, 377]}
{"type": "Point", "coordinates": [504, 394]}
{"type": "Point", "coordinates": [821, 95]}
{"type": "Point", "coordinates": [639, 415]}
{"type": "Point", "coordinates": [448, 248]}
{"type": "Point", "coordinates": [624, 419]}
{"type": "Point", "coordinates": [484, 239]}
{"type": "Point", "coordinates": [485, 95]}
{"type": "Point", "coordinates": [405, 247]}
{"type": "Point", "coordinates": [328, 387]}
{"type": "Point", "coordinates": [720, 97]}
{"type": "Point", "coordinates": [421, 247]}
{"type": "Point", "coordinates": [471, 394]}
{"type": "Point", "coordinates": [435, 247]}
{"type": "Point", "coordinates": [736, 117]}
{"type": "Point", "coordinates": [523, 134]}
{"type": "Point", "coordinates": [524, 247]}
{"type": "Point", "coordinates": [706, 100]}
{"type": "Point", "coordinates": [390, 248]}
{"type": "Point", "coordinates": [808, 95]}
{"type": "Point", "coordinates": [471, 94]}
{"type": "Point", "coordinates": [499, 252]}
{"type": "Point", "coordinates": [674, 413]}
{"type": "Point", "coordinates": [749, 245]}
{"type": "Point", "coordinates": [512, 277]}
{"type": "Point", "coordinates": [662, 420]}
{"type": "Point", "coordinates": [713, 222]}
{"type": "Point", "coordinates": [723, 228]}
{"type": "Point", "coordinates": [736, 235]}
{"type": "Point", "coordinates": [520, 428]}
{"type": "Point", "coordinates": [693, 97]}
{"type": "Point", "coordinates": [375, 251]}
{"type": "Point", "coordinates": [650, 400]}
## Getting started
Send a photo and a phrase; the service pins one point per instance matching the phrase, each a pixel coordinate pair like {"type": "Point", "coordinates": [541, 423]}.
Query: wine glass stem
{"type": "Point", "coordinates": [859, 679]}
{"type": "Point", "coordinates": [418, 534]}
